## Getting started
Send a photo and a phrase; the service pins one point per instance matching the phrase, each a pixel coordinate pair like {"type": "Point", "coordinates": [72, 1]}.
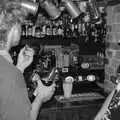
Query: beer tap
{"type": "Point", "coordinates": [94, 9]}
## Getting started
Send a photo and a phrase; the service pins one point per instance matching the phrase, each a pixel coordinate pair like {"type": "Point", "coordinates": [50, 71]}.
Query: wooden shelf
{"type": "Point", "coordinates": [85, 46]}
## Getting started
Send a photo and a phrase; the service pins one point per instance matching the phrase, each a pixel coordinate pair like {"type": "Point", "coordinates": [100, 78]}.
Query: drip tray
{"type": "Point", "coordinates": [80, 97]}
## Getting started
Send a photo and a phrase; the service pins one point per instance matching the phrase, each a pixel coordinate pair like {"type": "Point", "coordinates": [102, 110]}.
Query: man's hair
{"type": "Point", "coordinates": [10, 14]}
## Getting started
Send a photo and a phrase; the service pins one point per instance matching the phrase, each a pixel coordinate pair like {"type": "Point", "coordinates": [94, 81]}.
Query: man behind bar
{"type": "Point", "coordinates": [14, 101]}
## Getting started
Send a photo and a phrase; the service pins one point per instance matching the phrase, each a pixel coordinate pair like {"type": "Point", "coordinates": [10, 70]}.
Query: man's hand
{"type": "Point", "coordinates": [25, 58]}
{"type": "Point", "coordinates": [45, 92]}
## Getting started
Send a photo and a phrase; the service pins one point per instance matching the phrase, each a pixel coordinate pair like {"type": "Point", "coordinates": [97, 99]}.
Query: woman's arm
{"type": "Point", "coordinates": [106, 104]}
{"type": "Point", "coordinates": [104, 107]}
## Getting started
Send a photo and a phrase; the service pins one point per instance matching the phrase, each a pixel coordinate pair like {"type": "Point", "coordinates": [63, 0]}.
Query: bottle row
{"type": "Point", "coordinates": [65, 29]}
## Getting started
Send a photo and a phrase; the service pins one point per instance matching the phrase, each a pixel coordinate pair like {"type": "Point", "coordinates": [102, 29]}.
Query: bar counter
{"type": "Point", "coordinates": [82, 110]}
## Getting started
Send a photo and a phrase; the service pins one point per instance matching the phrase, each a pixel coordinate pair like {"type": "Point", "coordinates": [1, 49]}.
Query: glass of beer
{"type": "Point", "coordinates": [68, 86]}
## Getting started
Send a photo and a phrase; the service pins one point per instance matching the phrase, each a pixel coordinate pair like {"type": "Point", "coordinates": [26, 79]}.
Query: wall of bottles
{"type": "Point", "coordinates": [84, 25]}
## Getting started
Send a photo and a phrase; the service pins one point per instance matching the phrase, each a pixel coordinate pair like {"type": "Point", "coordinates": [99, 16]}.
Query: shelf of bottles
{"type": "Point", "coordinates": [64, 29]}
{"type": "Point", "coordinates": [87, 32]}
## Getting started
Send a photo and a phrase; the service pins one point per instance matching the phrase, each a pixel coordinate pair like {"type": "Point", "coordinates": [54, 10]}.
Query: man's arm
{"type": "Point", "coordinates": [43, 94]}
{"type": "Point", "coordinates": [36, 105]}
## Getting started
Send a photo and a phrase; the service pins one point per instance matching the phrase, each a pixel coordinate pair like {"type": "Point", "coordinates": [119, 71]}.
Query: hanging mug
{"type": "Point", "coordinates": [71, 8]}
{"type": "Point", "coordinates": [51, 9]}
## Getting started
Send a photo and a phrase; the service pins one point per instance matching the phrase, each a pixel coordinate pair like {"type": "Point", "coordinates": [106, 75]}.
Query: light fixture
{"type": "Point", "coordinates": [32, 7]}
{"type": "Point", "coordinates": [51, 9]}
{"type": "Point", "coordinates": [71, 8]}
